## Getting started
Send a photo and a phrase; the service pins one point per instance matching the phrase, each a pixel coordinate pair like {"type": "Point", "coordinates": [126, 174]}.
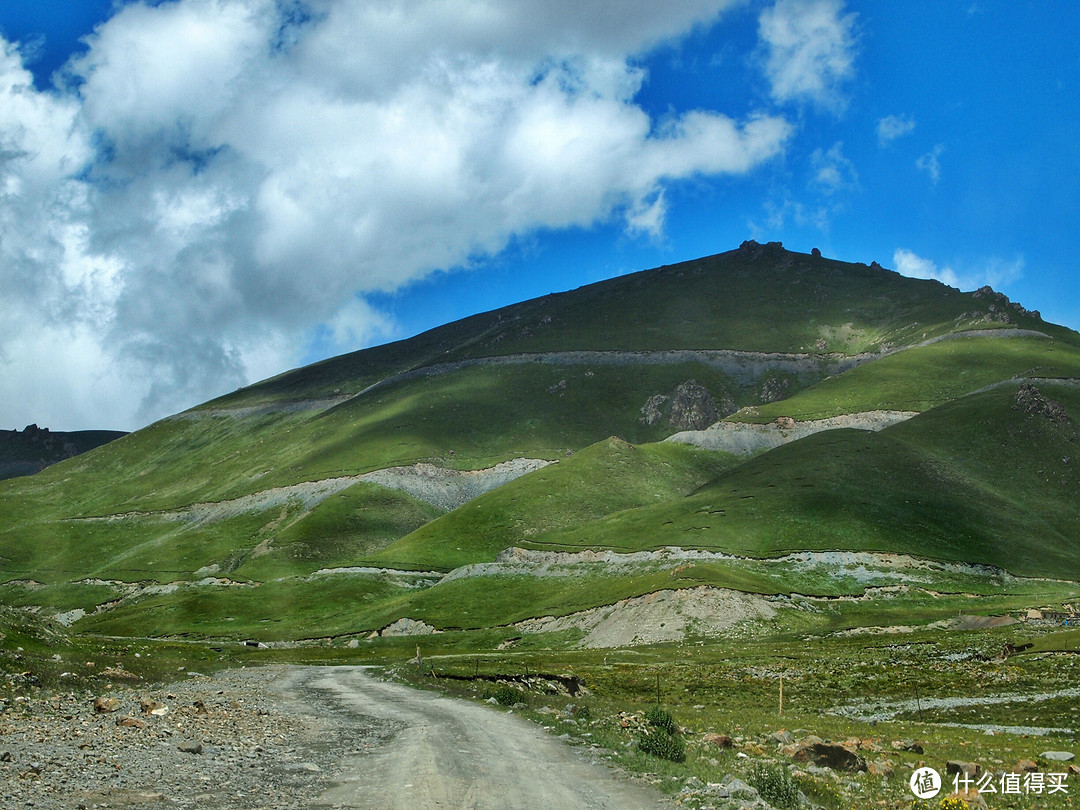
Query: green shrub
{"type": "Point", "coordinates": [662, 719]}
{"type": "Point", "coordinates": [508, 696]}
{"type": "Point", "coordinates": [773, 783]}
{"type": "Point", "coordinates": [664, 745]}
{"type": "Point", "coordinates": [582, 713]}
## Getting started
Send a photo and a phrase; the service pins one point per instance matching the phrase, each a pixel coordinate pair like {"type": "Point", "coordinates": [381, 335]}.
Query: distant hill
{"type": "Point", "coordinates": [516, 464]}
{"type": "Point", "coordinates": [33, 449]}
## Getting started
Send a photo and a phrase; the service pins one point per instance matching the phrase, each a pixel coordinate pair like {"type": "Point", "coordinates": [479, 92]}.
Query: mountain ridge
{"type": "Point", "coordinates": [586, 385]}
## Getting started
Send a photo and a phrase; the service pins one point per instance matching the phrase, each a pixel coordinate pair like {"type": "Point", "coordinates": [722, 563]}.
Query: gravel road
{"type": "Point", "coordinates": [289, 738]}
{"type": "Point", "coordinates": [453, 753]}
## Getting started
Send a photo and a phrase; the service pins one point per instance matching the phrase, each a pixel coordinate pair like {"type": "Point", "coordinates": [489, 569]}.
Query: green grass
{"type": "Point", "coordinates": [922, 378]}
{"type": "Point", "coordinates": [974, 481]}
{"type": "Point", "coordinates": [776, 301]}
{"type": "Point", "coordinates": [273, 611]}
{"type": "Point", "coordinates": [344, 530]}
{"type": "Point", "coordinates": [607, 477]}
{"type": "Point", "coordinates": [970, 479]}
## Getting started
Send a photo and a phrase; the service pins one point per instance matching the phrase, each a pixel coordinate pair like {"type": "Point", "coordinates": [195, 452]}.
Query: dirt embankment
{"type": "Point", "coordinates": [658, 617]}
{"type": "Point", "coordinates": [444, 488]}
{"type": "Point", "coordinates": [743, 438]}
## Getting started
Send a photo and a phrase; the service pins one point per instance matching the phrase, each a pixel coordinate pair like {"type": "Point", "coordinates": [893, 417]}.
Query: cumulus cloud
{"type": "Point", "coordinates": [995, 271]}
{"type": "Point", "coordinates": [809, 51]}
{"type": "Point", "coordinates": [892, 127]}
{"type": "Point", "coordinates": [218, 183]}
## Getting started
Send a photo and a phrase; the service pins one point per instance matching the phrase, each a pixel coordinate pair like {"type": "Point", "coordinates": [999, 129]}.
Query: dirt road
{"type": "Point", "coordinates": [447, 753]}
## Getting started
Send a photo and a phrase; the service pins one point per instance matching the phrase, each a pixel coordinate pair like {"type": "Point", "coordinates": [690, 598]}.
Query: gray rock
{"type": "Point", "coordinates": [1058, 756]}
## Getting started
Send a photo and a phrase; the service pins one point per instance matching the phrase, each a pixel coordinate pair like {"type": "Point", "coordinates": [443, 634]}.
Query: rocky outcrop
{"type": "Point", "coordinates": [999, 306]}
{"type": "Point", "coordinates": [689, 407]}
{"type": "Point", "coordinates": [1031, 402]}
{"type": "Point", "coordinates": [408, 627]}
{"type": "Point", "coordinates": [773, 389]}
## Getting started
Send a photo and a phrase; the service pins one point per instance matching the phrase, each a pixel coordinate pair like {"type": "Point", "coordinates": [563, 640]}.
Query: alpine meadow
{"type": "Point", "coordinates": [698, 480]}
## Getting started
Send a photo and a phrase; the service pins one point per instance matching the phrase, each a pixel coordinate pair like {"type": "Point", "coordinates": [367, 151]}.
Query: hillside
{"type": "Point", "coordinates": [33, 449]}
{"type": "Point", "coordinates": [388, 484]}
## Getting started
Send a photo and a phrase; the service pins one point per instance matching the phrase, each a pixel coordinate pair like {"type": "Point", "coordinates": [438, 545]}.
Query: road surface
{"type": "Point", "coordinates": [450, 753]}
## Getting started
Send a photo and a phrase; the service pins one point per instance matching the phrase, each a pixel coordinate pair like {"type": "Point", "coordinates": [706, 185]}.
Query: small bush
{"type": "Point", "coordinates": [662, 719]}
{"type": "Point", "coordinates": [773, 783]}
{"type": "Point", "coordinates": [582, 713]}
{"type": "Point", "coordinates": [664, 745]}
{"type": "Point", "coordinates": [508, 696]}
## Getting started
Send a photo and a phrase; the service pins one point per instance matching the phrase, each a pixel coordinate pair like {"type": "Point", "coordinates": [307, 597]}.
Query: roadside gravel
{"type": "Point", "coordinates": [289, 738]}
{"type": "Point", "coordinates": [228, 741]}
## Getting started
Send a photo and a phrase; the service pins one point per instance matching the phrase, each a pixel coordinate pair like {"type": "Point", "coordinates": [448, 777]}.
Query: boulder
{"type": "Point", "coordinates": [1058, 756]}
{"type": "Point", "coordinates": [836, 757]}
{"type": "Point", "coordinates": [719, 740]}
{"type": "Point", "coordinates": [908, 745]}
{"type": "Point", "coordinates": [781, 737]}
{"type": "Point", "coordinates": [800, 751]}
{"type": "Point", "coordinates": [972, 769]}
{"type": "Point", "coordinates": [106, 705]}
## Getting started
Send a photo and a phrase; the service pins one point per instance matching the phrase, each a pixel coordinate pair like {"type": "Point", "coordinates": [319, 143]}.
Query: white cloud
{"type": "Point", "coordinates": [994, 271]}
{"type": "Point", "coordinates": [832, 171]}
{"type": "Point", "coordinates": [809, 51]}
{"type": "Point", "coordinates": [930, 163]}
{"type": "Point", "coordinates": [218, 177]}
{"type": "Point", "coordinates": [892, 127]}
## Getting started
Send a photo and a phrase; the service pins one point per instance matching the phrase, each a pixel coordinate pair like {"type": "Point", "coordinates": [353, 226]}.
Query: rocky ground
{"type": "Point", "coordinates": [230, 741]}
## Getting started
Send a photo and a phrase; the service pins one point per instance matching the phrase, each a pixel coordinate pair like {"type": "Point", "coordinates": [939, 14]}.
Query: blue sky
{"type": "Point", "coordinates": [201, 193]}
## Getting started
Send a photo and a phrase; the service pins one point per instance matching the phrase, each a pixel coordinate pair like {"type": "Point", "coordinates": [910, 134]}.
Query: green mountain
{"type": "Point", "coordinates": [767, 422]}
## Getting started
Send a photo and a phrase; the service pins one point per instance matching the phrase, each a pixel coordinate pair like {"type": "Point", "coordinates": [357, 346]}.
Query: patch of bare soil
{"type": "Point", "coordinates": [743, 438]}
{"type": "Point", "coordinates": [446, 489]}
{"type": "Point", "coordinates": [449, 489]}
{"type": "Point", "coordinates": [658, 617]}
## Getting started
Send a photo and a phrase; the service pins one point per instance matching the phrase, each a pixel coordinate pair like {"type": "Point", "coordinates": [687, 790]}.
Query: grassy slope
{"type": "Point", "coordinates": [921, 378]}
{"type": "Point", "coordinates": [766, 300]}
{"type": "Point", "coordinates": [471, 419]}
{"type": "Point", "coordinates": [772, 301]}
{"type": "Point", "coordinates": [607, 477]}
{"type": "Point", "coordinates": [973, 480]}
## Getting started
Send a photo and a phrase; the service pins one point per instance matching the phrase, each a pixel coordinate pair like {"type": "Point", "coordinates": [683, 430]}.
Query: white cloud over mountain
{"type": "Point", "coordinates": [212, 179]}
{"type": "Point", "coordinates": [996, 272]}
{"type": "Point", "coordinates": [809, 51]}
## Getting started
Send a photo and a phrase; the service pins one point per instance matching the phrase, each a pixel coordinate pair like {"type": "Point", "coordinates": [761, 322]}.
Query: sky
{"type": "Point", "coordinates": [198, 194]}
